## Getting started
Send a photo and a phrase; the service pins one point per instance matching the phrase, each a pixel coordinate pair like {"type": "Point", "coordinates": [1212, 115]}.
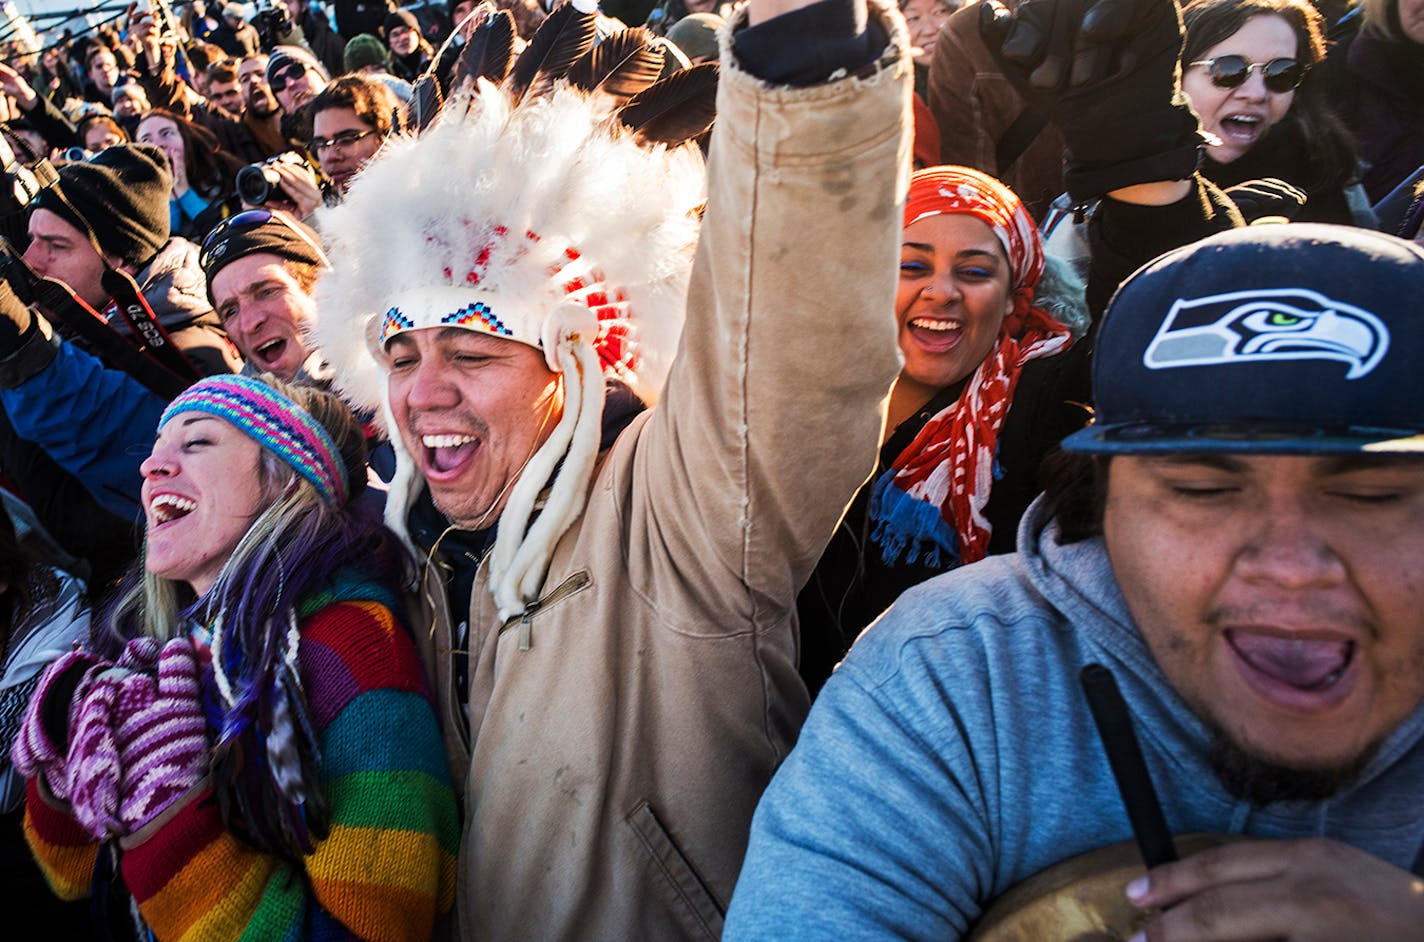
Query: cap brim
{"type": "Point", "coordinates": [1263, 439]}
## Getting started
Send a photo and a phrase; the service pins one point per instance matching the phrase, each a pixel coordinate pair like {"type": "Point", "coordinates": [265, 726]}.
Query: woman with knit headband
{"type": "Point", "coordinates": [988, 385]}
{"type": "Point", "coordinates": [249, 741]}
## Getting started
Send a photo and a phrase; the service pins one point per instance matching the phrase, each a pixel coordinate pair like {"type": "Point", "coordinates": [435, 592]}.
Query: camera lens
{"type": "Point", "coordinates": [255, 183]}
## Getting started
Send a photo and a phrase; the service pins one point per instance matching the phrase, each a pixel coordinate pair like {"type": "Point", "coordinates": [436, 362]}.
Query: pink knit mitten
{"type": "Point", "coordinates": [42, 743]}
{"type": "Point", "coordinates": [93, 762]}
{"type": "Point", "coordinates": [162, 735]}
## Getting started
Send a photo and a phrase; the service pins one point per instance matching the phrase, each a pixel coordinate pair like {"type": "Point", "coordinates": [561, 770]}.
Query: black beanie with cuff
{"type": "Point", "coordinates": [122, 192]}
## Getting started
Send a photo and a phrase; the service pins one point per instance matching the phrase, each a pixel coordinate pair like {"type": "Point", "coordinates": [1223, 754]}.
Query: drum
{"type": "Point", "coordinates": [1081, 899]}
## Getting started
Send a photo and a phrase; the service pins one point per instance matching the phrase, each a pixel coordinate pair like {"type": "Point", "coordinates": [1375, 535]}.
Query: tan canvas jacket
{"type": "Point", "coordinates": [620, 733]}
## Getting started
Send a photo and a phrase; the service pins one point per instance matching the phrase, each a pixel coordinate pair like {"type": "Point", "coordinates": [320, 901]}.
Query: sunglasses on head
{"type": "Point", "coordinates": [216, 244]}
{"type": "Point", "coordinates": [1280, 75]}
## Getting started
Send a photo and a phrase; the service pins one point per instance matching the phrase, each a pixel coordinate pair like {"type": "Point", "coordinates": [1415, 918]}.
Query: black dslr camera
{"type": "Point", "coordinates": [257, 182]}
{"type": "Point", "coordinates": [20, 183]}
{"type": "Point", "coordinates": [271, 22]}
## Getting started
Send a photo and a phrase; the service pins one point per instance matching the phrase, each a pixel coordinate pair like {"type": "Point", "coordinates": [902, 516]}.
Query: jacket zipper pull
{"type": "Point", "coordinates": [526, 626]}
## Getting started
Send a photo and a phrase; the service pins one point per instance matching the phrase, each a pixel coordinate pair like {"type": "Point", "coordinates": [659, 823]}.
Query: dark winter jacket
{"type": "Point", "coordinates": [237, 43]}
{"type": "Point", "coordinates": [1378, 88]}
{"type": "Point", "coordinates": [1285, 154]}
{"type": "Point", "coordinates": [326, 44]}
{"type": "Point", "coordinates": [852, 584]}
{"type": "Point", "coordinates": [354, 17]}
{"type": "Point", "coordinates": [175, 288]}
{"type": "Point", "coordinates": [96, 422]}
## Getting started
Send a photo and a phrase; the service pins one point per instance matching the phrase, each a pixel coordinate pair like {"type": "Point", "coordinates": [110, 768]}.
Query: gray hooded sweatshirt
{"type": "Point", "coordinates": [952, 755]}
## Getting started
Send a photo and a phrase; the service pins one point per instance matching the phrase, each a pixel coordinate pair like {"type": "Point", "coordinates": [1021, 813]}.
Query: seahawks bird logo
{"type": "Point", "coordinates": [1251, 326]}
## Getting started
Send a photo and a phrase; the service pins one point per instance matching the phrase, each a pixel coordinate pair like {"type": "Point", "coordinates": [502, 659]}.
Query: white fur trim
{"type": "Point", "coordinates": [521, 550]}
{"type": "Point", "coordinates": [569, 321]}
{"type": "Point", "coordinates": [548, 211]}
{"type": "Point", "coordinates": [480, 178]}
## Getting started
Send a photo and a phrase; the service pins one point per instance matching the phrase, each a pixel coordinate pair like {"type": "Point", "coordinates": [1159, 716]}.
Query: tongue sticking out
{"type": "Point", "coordinates": [935, 336]}
{"type": "Point", "coordinates": [1304, 663]}
{"type": "Point", "coordinates": [447, 458]}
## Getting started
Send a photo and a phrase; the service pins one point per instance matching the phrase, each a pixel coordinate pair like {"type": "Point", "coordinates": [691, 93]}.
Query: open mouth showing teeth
{"type": "Point", "coordinates": [927, 323]}
{"type": "Point", "coordinates": [169, 507]}
{"type": "Point", "coordinates": [1307, 664]}
{"type": "Point", "coordinates": [447, 452]}
{"type": "Point", "coordinates": [1241, 127]}
{"type": "Point", "coordinates": [272, 350]}
{"type": "Point", "coordinates": [935, 334]}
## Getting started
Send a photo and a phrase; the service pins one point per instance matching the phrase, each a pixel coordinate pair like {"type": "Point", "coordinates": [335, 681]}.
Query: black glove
{"type": "Point", "coordinates": [1105, 72]}
{"type": "Point", "coordinates": [16, 321]}
{"type": "Point", "coordinates": [1267, 197]}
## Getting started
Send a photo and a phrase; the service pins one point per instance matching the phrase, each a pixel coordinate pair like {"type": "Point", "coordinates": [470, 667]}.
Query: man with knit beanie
{"type": "Point", "coordinates": [365, 52]}
{"type": "Point", "coordinates": [86, 414]}
{"type": "Point", "coordinates": [410, 51]}
{"type": "Point", "coordinates": [367, 56]}
{"type": "Point", "coordinates": [696, 35]}
{"type": "Point", "coordinates": [295, 76]}
{"type": "Point", "coordinates": [261, 267]}
{"type": "Point", "coordinates": [121, 197]}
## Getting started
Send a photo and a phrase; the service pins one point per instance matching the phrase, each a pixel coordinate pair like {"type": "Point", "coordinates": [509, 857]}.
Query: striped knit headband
{"type": "Point", "coordinates": [273, 421]}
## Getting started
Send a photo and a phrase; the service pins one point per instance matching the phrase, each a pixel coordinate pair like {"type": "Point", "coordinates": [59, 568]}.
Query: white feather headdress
{"type": "Point", "coordinates": [544, 221]}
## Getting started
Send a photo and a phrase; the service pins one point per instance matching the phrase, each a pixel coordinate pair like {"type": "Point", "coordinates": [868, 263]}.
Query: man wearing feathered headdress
{"type": "Point", "coordinates": [611, 586]}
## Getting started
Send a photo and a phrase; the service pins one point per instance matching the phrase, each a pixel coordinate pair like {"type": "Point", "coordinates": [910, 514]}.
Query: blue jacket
{"type": "Point", "coordinates": [952, 755]}
{"type": "Point", "coordinates": [94, 422]}
{"type": "Point", "coordinates": [97, 423]}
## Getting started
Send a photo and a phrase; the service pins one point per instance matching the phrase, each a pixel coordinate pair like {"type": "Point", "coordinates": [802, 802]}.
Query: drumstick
{"type": "Point", "coordinates": [1114, 724]}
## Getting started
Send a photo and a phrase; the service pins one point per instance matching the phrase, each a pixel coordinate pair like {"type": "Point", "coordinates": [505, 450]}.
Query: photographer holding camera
{"type": "Point", "coordinates": [294, 23]}
{"type": "Point", "coordinates": [351, 119]}
{"type": "Point", "coordinates": [288, 182]}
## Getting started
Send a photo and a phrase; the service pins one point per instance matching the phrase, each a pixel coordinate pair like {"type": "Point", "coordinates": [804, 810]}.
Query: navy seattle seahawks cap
{"type": "Point", "coordinates": [1284, 339]}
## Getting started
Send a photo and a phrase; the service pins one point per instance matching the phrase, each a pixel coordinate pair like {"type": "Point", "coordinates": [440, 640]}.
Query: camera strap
{"type": "Point", "coordinates": [67, 309]}
{"type": "Point", "coordinates": [60, 302]}
{"type": "Point", "coordinates": [153, 338]}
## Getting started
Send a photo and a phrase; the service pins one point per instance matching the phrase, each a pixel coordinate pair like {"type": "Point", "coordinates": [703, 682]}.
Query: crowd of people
{"type": "Point", "coordinates": [529, 470]}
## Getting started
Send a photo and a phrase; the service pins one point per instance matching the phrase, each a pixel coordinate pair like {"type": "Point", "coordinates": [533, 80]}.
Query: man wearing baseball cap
{"type": "Point", "coordinates": [1238, 539]}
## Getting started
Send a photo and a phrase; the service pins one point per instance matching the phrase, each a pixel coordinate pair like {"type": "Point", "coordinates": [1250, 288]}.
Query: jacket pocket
{"type": "Point", "coordinates": [682, 889]}
{"type": "Point", "coordinates": [570, 586]}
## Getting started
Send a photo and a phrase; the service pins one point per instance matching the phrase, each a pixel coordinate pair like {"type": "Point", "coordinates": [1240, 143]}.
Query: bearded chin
{"type": "Point", "coordinates": [1261, 782]}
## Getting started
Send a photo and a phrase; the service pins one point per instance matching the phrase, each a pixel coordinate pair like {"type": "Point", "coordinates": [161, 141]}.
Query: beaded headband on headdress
{"type": "Point", "coordinates": [275, 422]}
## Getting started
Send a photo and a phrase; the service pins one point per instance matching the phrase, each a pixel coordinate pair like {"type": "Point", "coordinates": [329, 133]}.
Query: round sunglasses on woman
{"type": "Point", "coordinates": [1279, 75]}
